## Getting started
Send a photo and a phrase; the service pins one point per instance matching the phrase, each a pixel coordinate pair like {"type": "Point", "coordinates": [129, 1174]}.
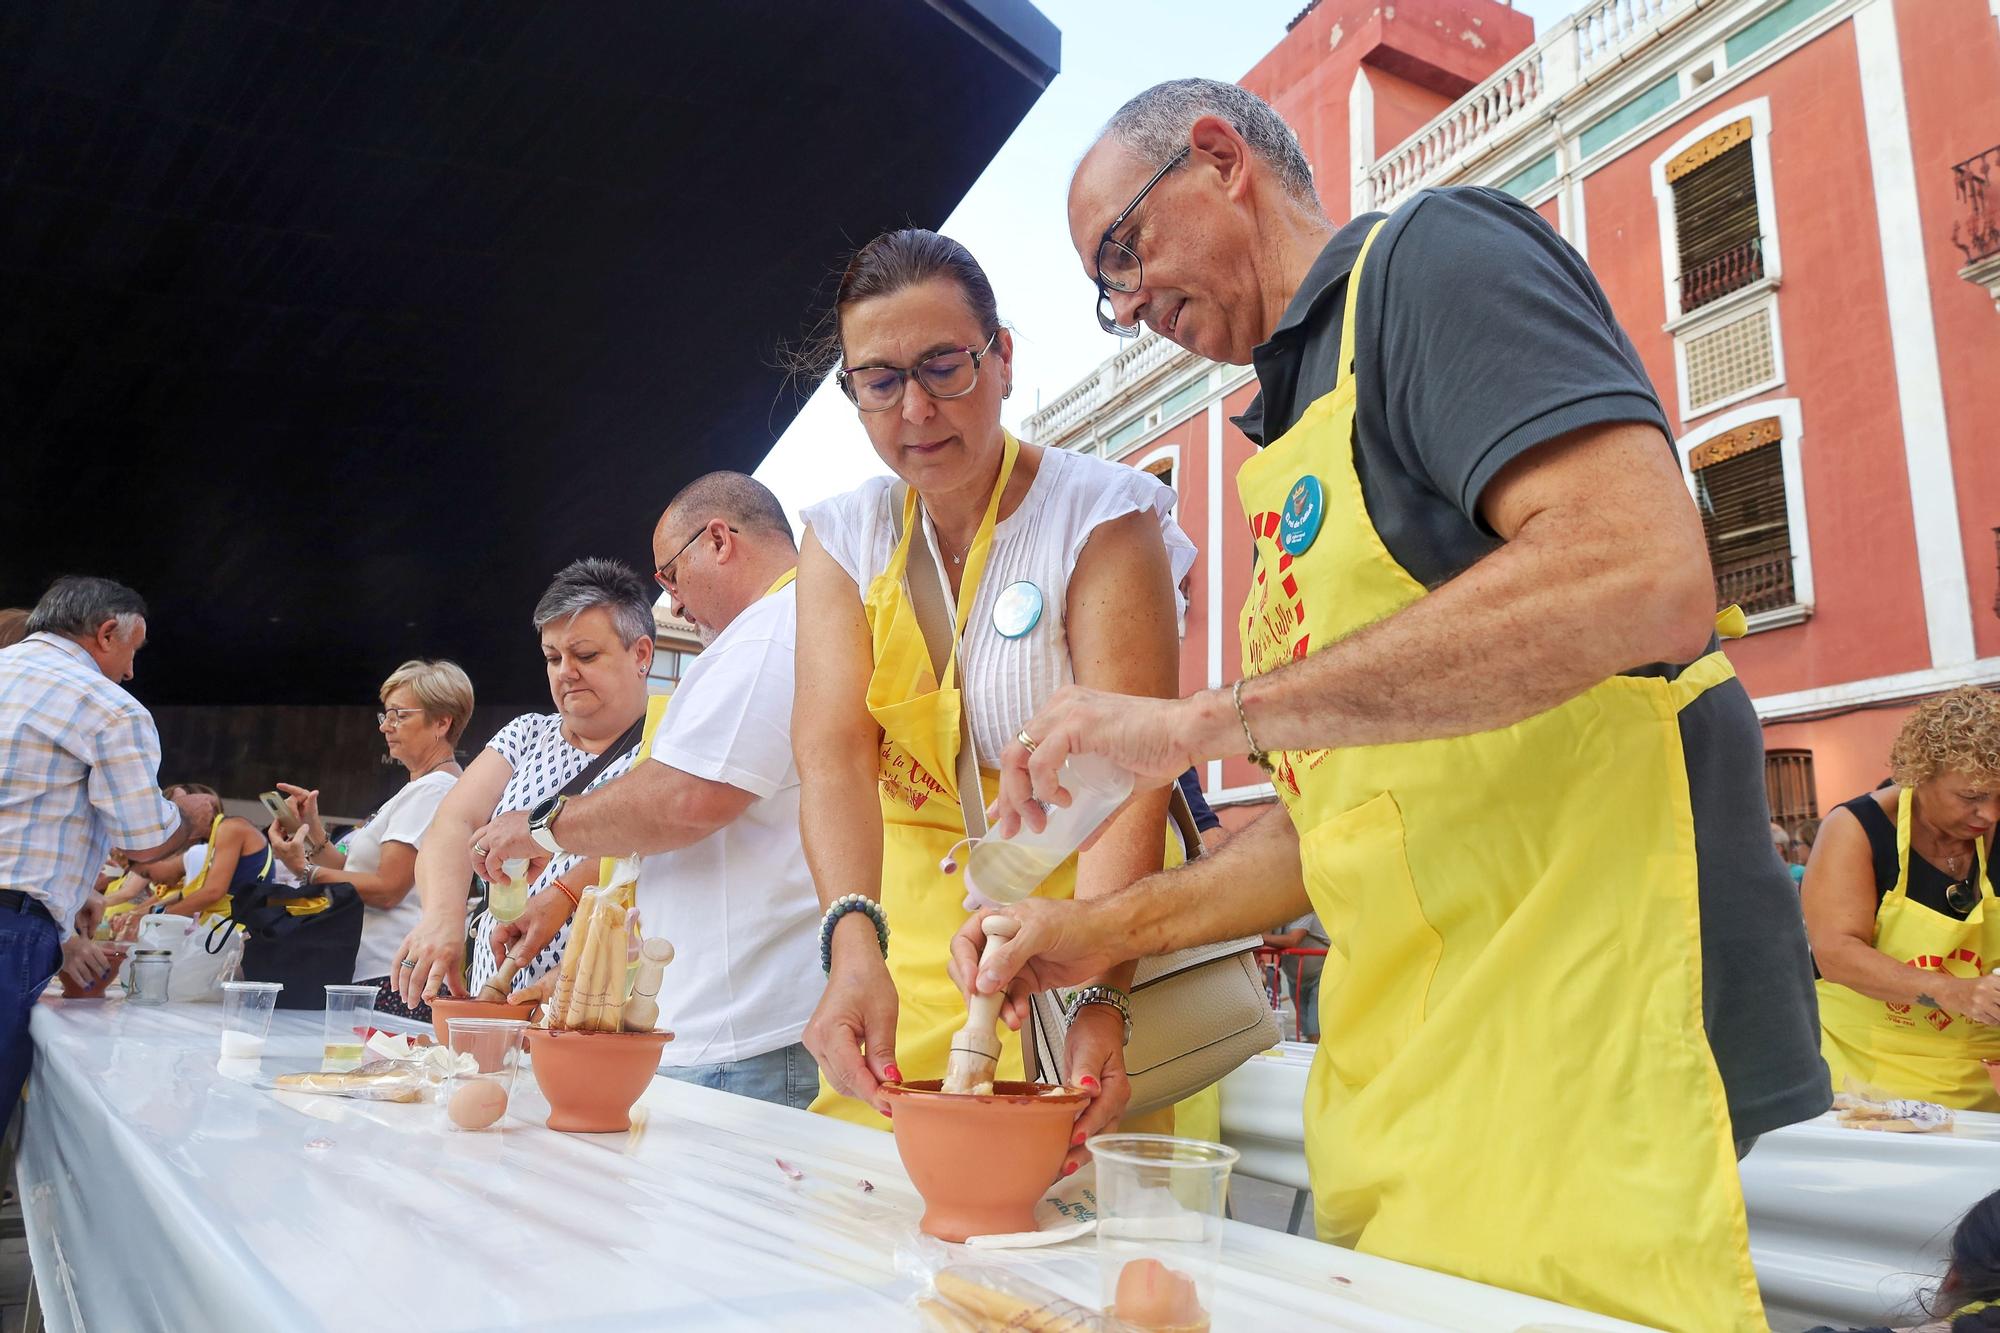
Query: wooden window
{"type": "Point", "coordinates": [1739, 486]}
{"type": "Point", "coordinates": [1717, 229]}
{"type": "Point", "coordinates": [1163, 468]}
{"type": "Point", "coordinates": [1788, 785]}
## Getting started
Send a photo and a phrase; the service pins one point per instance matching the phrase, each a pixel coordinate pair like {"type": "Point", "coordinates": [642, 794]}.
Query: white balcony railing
{"type": "Point", "coordinates": [1123, 371]}
{"type": "Point", "coordinates": [1534, 79]}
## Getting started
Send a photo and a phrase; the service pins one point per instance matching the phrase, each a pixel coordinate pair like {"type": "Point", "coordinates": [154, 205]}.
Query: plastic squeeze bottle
{"type": "Point", "coordinates": [507, 901]}
{"type": "Point", "coordinates": [1006, 870]}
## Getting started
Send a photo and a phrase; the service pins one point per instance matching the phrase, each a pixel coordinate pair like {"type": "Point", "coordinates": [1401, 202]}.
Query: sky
{"type": "Point", "coordinates": [1013, 220]}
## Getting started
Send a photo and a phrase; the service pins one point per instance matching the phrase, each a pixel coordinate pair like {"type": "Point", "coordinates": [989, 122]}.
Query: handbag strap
{"type": "Point", "coordinates": [925, 582]}
{"type": "Point", "coordinates": [625, 742]}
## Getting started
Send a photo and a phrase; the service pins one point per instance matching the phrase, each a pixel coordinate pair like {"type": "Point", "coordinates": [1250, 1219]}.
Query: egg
{"type": "Point", "coordinates": [477, 1104]}
{"type": "Point", "coordinates": [1154, 1296]}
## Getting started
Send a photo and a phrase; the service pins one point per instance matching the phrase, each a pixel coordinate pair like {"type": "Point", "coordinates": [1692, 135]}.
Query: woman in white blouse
{"type": "Point", "coordinates": [1066, 567]}
{"type": "Point", "coordinates": [425, 709]}
{"type": "Point", "coordinates": [596, 628]}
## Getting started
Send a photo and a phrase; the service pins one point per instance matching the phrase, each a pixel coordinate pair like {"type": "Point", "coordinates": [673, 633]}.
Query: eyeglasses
{"type": "Point", "coordinates": [1962, 895]}
{"type": "Point", "coordinates": [664, 575]}
{"type": "Point", "coordinates": [951, 373]}
{"type": "Point", "coordinates": [1119, 268]}
{"type": "Point", "coordinates": [397, 713]}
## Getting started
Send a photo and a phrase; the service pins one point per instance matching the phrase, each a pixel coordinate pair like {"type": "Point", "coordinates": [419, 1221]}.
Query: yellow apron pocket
{"type": "Point", "coordinates": [1383, 951]}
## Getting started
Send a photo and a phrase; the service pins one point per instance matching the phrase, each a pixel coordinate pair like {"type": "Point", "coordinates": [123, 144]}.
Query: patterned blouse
{"type": "Point", "coordinates": [543, 764]}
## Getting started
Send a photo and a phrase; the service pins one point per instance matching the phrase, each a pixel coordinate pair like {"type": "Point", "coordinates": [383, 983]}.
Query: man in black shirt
{"type": "Point", "coordinates": [1520, 562]}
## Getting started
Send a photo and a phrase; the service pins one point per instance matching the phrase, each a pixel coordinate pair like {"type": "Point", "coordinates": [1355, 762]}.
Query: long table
{"type": "Point", "coordinates": [1846, 1226]}
{"type": "Point", "coordinates": [162, 1191]}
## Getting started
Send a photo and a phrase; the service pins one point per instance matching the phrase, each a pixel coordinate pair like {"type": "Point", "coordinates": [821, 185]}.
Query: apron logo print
{"type": "Point", "coordinates": [1938, 1019]}
{"type": "Point", "coordinates": [1305, 510]}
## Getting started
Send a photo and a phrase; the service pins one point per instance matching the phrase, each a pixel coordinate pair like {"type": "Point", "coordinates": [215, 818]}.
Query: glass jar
{"type": "Point", "coordinates": [146, 978]}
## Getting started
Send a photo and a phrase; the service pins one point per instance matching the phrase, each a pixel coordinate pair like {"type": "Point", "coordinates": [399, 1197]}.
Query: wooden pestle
{"type": "Point", "coordinates": [975, 1051]}
{"type": "Point", "coordinates": [642, 1011]}
{"type": "Point", "coordinates": [497, 990]}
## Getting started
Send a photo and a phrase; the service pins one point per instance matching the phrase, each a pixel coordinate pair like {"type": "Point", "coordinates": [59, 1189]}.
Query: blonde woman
{"type": "Point", "coordinates": [1899, 905]}
{"type": "Point", "coordinates": [425, 708]}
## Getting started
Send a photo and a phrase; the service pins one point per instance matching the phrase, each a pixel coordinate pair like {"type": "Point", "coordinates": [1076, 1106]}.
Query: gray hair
{"type": "Point", "coordinates": [1154, 126]}
{"type": "Point", "coordinates": [744, 502]}
{"type": "Point", "coordinates": [611, 584]}
{"type": "Point", "coordinates": [76, 604]}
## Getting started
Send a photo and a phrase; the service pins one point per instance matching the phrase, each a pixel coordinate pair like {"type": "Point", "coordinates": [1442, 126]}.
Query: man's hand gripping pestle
{"type": "Point", "coordinates": [975, 1051]}
{"type": "Point", "coordinates": [642, 1011]}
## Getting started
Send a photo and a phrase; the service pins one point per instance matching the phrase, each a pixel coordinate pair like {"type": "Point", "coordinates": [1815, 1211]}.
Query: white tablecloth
{"type": "Point", "coordinates": [161, 1194]}
{"type": "Point", "coordinates": [1847, 1225]}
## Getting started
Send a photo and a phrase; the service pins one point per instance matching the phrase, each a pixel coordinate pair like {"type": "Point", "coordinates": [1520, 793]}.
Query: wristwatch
{"type": "Point", "coordinates": [540, 817]}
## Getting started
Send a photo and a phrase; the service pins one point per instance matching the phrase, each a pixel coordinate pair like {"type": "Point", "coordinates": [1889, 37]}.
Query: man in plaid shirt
{"type": "Point", "coordinates": [79, 766]}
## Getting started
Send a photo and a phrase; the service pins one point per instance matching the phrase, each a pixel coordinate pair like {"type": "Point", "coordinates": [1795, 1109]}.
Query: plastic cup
{"type": "Point", "coordinates": [246, 1017]}
{"type": "Point", "coordinates": [490, 1048]}
{"type": "Point", "coordinates": [350, 1013]}
{"type": "Point", "coordinates": [1159, 1227]}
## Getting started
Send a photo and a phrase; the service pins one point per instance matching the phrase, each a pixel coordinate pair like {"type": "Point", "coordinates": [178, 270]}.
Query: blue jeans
{"type": "Point", "coordinates": [786, 1076]}
{"type": "Point", "coordinates": [30, 953]}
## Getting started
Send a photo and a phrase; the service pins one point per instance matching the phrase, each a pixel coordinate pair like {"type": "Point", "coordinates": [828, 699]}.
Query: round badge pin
{"type": "Point", "coordinates": [1017, 609]}
{"type": "Point", "coordinates": [1305, 511]}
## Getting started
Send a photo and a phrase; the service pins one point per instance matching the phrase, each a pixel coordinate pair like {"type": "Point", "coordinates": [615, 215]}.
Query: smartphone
{"type": "Point", "coordinates": [281, 812]}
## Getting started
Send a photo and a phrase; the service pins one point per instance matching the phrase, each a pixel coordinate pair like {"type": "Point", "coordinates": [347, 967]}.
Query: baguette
{"type": "Point", "coordinates": [1040, 1312]}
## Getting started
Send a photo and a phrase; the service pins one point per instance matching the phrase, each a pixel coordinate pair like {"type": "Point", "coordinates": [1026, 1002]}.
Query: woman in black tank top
{"type": "Point", "coordinates": [1952, 895]}
{"type": "Point", "coordinates": [1900, 908]}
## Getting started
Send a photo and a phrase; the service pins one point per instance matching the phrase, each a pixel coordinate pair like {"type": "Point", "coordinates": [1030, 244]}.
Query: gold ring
{"type": "Point", "coordinates": [1027, 741]}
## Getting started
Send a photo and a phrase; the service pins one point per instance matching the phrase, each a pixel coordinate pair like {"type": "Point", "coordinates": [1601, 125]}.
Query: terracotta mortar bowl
{"type": "Point", "coordinates": [444, 1009]}
{"type": "Point", "coordinates": [593, 1079]}
{"type": "Point", "coordinates": [981, 1162]}
{"type": "Point", "coordinates": [95, 990]}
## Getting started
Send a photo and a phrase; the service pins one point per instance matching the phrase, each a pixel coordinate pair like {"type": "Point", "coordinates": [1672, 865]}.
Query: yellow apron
{"type": "Point", "coordinates": [1907, 1050]}
{"type": "Point", "coordinates": [1514, 1084]}
{"type": "Point", "coordinates": [921, 818]}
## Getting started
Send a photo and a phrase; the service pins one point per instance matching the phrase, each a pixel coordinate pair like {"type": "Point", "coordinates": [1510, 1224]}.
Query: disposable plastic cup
{"type": "Point", "coordinates": [350, 1014]}
{"type": "Point", "coordinates": [246, 1017]}
{"type": "Point", "coordinates": [1159, 1227]}
{"type": "Point", "coordinates": [490, 1050]}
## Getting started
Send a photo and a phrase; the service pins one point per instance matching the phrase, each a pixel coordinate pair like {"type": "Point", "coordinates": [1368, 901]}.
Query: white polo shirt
{"type": "Point", "coordinates": [738, 906]}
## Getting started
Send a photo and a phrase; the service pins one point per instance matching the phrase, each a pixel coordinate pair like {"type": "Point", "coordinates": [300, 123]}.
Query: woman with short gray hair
{"type": "Point", "coordinates": [596, 628]}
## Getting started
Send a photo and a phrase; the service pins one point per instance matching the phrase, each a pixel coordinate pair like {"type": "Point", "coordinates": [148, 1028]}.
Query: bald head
{"type": "Point", "coordinates": [741, 501]}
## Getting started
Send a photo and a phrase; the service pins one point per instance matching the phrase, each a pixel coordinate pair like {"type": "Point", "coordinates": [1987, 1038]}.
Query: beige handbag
{"type": "Point", "coordinates": [1197, 1013]}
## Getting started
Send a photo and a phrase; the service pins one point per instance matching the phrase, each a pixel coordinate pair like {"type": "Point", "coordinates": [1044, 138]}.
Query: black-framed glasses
{"type": "Point", "coordinates": [1119, 268]}
{"type": "Point", "coordinates": [951, 373]}
{"type": "Point", "coordinates": [397, 713]}
{"type": "Point", "coordinates": [664, 575]}
{"type": "Point", "coordinates": [1962, 895]}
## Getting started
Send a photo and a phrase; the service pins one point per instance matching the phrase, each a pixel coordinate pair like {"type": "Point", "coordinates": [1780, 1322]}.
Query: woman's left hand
{"type": "Point", "coordinates": [1096, 1053]}
{"type": "Point", "coordinates": [289, 849]}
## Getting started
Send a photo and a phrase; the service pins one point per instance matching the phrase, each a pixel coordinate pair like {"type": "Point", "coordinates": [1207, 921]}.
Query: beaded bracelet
{"type": "Point", "coordinates": [852, 902]}
{"type": "Point", "coordinates": [1110, 995]}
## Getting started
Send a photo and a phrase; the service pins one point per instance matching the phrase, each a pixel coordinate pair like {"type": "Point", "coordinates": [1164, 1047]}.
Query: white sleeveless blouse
{"type": "Point", "coordinates": [1007, 680]}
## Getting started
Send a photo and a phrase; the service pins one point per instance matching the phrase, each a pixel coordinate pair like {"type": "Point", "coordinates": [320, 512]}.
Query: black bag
{"type": "Point", "coordinates": [305, 950]}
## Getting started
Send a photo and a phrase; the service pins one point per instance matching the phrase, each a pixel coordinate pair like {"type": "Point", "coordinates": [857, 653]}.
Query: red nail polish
{"type": "Point", "coordinates": [1069, 1168]}
{"type": "Point", "coordinates": [1076, 1139]}
{"type": "Point", "coordinates": [895, 1074]}
{"type": "Point", "coordinates": [1090, 1082]}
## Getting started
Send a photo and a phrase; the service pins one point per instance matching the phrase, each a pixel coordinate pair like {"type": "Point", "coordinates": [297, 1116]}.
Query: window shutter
{"type": "Point", "coordinates": [1790, 788]}
{"type": "Point", "coordinates": [1715, 216]}
{"type": "Point", "coordinates": [1740, 489]}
